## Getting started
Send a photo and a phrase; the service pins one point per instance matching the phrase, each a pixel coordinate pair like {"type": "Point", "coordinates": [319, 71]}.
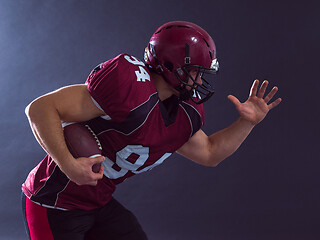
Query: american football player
{"type": "Point", "coordinates": [141, 112]}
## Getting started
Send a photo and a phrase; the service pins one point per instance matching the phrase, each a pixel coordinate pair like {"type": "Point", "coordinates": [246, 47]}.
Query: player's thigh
{"type": "Point", "coordinates": [116, 222]}
{"type": "Point", "coordinates": [36, 220]}
{"type": "Point", "coordinates": [44, 223]}
{"type": "Point", "coordinates": [66, 225]}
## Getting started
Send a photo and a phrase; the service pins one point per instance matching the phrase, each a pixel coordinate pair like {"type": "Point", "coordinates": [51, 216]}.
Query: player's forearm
{"type": "Point", "coordinates": [225, 142]}
{"type": "Point", "coordinates": [45, 123]}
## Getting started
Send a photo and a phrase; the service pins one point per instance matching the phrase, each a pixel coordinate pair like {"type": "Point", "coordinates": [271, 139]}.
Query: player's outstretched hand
{"type": "Point", "coordinates": [257, 106]}
{"type": "Point", "coordinates": [80, 170]}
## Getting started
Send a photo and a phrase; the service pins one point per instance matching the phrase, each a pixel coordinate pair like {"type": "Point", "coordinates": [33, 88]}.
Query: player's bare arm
{"type": "Point", "coordinates": [211, 150]}
{"type": "Point", "coordinates": [70, 104]}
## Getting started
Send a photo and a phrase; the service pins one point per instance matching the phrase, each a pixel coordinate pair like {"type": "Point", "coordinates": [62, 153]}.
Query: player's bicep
{"type": "Point", "coordinates": [73, 103]}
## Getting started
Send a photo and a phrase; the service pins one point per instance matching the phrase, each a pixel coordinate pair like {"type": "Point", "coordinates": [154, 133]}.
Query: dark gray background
{"type": "Point", "coordinates": [269, 189]}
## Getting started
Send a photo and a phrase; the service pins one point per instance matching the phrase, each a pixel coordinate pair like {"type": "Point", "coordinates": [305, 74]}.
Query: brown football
{"type": "Point", "coordinates": [82, 142]}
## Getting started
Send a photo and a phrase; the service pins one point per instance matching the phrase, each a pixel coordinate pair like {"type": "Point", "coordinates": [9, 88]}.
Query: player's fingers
{"type": "Point", "coordinates": [96, 175]}
{"type": "Point", "coordinates": [95, 162]}
{"type": "Point", "coordinates": [254, 88]}
{"type": "Point", "coordinates": [98, 159]}
{"type": "Point", "coordinates": [274, 103]}
{"type": "Point", "coordinates": [88, 182]}
{"type": "Point", "coordinates": [271, 94]}
{"type": "Point", "coordinates": [262, 89]}
{"type": "Point", "coordinates": [234, 100]}
{"type": "Point", "coordinates": [101, 171]}
{"type": "Point", "coordinates": [93, 183]}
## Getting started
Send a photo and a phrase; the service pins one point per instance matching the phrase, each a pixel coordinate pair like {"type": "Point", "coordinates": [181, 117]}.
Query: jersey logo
{"type": "Point", "coordinates": [142, 74]}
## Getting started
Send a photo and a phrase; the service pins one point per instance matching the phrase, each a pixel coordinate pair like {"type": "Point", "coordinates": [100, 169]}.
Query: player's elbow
{"type": "Point", "coordinates": [209, 164]}
{"type": "Point", "coordinates": [32, 109]}
{"type": "Point", "coordinates": [216, 154]}
{"type": "Point", "coordinates": [214, 159]}
{"type": "Point", "coordinates": [213, 162]}
{"type": "Point", "coordinates": [29, 109]}
{"type": "Point", "coordinates": [36, 108]}
{"type": "Point", "coordinates": [209, 161]}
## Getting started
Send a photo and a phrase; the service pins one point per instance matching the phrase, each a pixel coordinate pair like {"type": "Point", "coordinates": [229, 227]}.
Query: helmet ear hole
{"type": "Point", "coordinates": [168, 66]}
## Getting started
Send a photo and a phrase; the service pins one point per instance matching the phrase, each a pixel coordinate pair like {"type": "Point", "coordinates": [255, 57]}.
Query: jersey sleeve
{"type": "Point", "coordinates": [114, 86]}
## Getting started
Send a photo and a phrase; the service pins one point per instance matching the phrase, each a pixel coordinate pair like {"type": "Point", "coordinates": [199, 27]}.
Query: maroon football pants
{"type": "Point", "coordinates": [113, 221]}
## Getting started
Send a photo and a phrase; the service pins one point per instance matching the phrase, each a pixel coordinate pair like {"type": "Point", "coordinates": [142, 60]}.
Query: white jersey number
{"type": "Point", "coordinates": [142, 74]}
{"type": "Point", "coordinates": [130, 158]}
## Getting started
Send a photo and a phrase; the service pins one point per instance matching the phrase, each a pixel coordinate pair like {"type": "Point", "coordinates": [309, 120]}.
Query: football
{"type": "Point", "coordinates": [82, 142]}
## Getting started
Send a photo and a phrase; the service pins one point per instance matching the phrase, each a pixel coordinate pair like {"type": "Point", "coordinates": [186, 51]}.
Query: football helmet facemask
{"type": "Point", "coordinates": [178, 48]}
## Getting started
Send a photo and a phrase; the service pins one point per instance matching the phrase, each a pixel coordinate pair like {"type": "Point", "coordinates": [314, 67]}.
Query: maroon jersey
{"type": "Point", "coordinates": [138, 133]}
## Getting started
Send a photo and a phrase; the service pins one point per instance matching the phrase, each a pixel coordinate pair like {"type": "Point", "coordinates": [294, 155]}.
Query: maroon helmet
{"type": "Point", "coordinates": [178, 47]}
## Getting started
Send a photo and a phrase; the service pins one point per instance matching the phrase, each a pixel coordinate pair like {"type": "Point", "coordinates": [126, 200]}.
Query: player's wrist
{"type": "Point", "coordinates": [66, 162]}
{"type": "Point", "coordinates": [246, 123]}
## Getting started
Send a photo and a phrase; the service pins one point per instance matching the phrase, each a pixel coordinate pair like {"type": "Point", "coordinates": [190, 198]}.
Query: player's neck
{"type": "Point", "coordinates": [164, 89]}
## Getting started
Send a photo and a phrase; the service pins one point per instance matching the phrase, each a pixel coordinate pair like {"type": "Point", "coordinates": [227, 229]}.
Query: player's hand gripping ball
{"type": "Point", "coordinates": [82, 142]}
